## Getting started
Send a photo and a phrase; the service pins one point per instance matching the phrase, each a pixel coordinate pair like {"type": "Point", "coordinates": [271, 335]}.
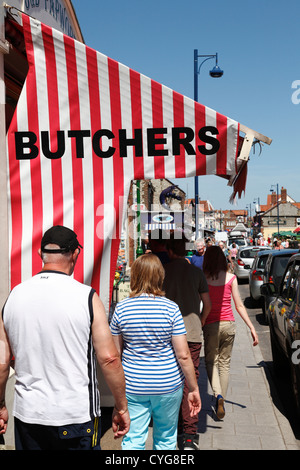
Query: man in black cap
{"type": "Point", "coordinates": [64, 237]}
{"type": "Point", "coordinates": [56, 328]}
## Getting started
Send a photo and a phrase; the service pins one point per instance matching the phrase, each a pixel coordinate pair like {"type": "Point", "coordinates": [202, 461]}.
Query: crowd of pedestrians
{"type": "Point", "coordinates": [56, 328]}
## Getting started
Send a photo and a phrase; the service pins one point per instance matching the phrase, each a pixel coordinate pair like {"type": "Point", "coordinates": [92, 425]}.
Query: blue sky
{"type": "Point", "coordinates": [258, 47]}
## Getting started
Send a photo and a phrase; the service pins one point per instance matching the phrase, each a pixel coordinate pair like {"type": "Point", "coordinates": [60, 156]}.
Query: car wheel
{"type": "Point", "coordinates": [295, 387]}
{"type": "Point", "coordinates": [279, 359]}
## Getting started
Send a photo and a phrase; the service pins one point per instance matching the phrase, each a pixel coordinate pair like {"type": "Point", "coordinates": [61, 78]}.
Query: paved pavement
{"type": "Point", "coordinates": [252, 421]}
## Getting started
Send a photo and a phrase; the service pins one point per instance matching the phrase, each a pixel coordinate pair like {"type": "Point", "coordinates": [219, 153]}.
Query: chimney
{"type": "Point", "coordinates": [283, 195]}
{"type": "Point", "coordinates": [273, 198]}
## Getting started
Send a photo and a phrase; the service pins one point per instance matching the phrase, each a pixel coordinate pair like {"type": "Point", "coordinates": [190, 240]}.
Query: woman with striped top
{"type": "Point", "coordinates": [149, 332]}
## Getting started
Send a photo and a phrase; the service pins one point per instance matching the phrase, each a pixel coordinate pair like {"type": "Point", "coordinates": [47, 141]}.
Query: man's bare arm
{"type": "Point", "coordinates": [5, 358]}
{"type": "Point", "coordinates": [110, 362]}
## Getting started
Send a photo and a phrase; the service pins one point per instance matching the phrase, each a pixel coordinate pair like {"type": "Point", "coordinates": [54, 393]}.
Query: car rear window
{"type": "Point", "coordinates": [238, 242]}
{"type": "Point", "coordinates": [250, 253]}
{"type": "Point", "coordinates": [261, 263]}
{"type": "Point", "coordinates": [278, 267]}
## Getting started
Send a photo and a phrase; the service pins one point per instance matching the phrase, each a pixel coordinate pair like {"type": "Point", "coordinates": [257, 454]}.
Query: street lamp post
{"type": "Point", "coordinates": [277, 193]}
{"type": "Point", "coordinates": [216, 72]}
{"type": "Point", "coordinates": [257, 201]}
{"type": "Point", "coordinates": [250, 210]}
{"type": "Point", "coordinates": [257, 218]}
{"type": "Point", "coordinates": [249, 213]}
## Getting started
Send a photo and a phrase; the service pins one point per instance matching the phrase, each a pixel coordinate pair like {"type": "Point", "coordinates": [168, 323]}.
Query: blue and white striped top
{"type": "Point", "coordinates": [147, 324]}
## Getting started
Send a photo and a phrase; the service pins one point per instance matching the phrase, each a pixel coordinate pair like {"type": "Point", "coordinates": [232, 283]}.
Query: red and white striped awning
{"type": "Point", "coordinates": [84, 127]}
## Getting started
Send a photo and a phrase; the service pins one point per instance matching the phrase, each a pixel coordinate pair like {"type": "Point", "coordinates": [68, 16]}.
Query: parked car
{"type": "Point", "coordinates": [274, 270]}
{"type": "Point", "coordinates": [244, 260]}
{"type": "Point", "coordinates": [256, 273]}
{"type": "Point", "coordinates": [284, 321]}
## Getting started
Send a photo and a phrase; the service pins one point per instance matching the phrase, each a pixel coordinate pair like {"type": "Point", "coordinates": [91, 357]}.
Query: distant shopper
{"type": "Point", "coordinates": [149, 332]}
{"type": "Point", "coordinates": [219, 325]}
{"type": "Point", "coordinates": [227, 255]}
{"type": "Point", "coordinates": [197, 258]}
{"type": "Point", "coordinates": [56, 328]}
{"type": "Point", "coordinates": [158, 245]}
{"type": "Point", "coordinates": [233, 251]}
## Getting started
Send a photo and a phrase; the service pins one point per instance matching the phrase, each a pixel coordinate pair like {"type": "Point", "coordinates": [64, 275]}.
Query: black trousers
{"type": "Point", "coordinates": [84, 436]}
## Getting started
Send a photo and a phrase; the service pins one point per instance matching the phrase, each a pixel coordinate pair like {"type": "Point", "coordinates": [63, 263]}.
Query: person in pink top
{"type": "Point", "coordinates": [233, 251]}
{"type": "Point", "coordinates": [219, 325]}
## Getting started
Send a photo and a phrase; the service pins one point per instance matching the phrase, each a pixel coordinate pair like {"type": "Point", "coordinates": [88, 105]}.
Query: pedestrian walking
{"type": "Point", "coordinates": [227, 255]}
{"type": "Point", "coordinates": [157, 245]}
{"type": "Point", "coordinates": [56, 328]}
{"type": "Point", "coordinates": [198, 256]}
{"type": "Point", "coordinates": [233, 251]}
{"type": "Point", "coordinates": [219, 325]}
{"type": "Point", "coordinates": [186, 285]}
{"type": "Point", "coordinates": [149, 332]}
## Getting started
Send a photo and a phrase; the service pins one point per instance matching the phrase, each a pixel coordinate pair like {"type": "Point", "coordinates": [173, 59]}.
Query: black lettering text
{"type": "Point", "coordinates": [96, 143]}
{"type": "Point", "coordinates": [46, 145]}
{"type": "Point", "coordinates": [153, 141]}
{"type": "Point", "coordinates": [79, 135]}
{"type": "Point", "coordinates": [178, 140]}
{"type": "Point", "coordinates": [208, 139]}
{"type": "Point", "coordinates": [26, 140]}
{"type": "Point", "coordinates": [136, 142]}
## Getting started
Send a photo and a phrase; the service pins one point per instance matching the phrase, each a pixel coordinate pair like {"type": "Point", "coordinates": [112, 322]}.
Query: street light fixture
{"type": "Point", "coordinates": [257, 202]}
{"type": "Point", "coordinates": [215, 72]}
{"type": "Point", "coordinates": [277, 201]}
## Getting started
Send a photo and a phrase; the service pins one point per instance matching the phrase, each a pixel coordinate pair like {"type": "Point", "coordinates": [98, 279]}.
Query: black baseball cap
{"type": "Point", "coordinates": [62, 236]}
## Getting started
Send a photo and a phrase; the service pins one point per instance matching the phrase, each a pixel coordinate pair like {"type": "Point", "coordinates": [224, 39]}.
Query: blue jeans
{"type": "Point", "coordinates": [164, 410]}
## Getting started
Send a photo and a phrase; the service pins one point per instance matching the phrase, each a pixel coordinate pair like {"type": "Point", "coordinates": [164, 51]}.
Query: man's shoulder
{"type": "Point", "coordinates": [54, 277]}
{"type": "Point", "coordinates": [23, 285]}
{"type": "Point", "coordinates": [189, 270]}
{"type": "Point", "coordinates": [175, 264]}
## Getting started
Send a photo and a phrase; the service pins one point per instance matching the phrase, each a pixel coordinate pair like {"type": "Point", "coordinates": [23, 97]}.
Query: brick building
{"type": "Point", "coordinates": [280, 214]}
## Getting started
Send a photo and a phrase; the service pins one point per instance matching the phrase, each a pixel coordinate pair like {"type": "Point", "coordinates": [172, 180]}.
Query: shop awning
{"type": "Point", "coordinates": [84, 127]}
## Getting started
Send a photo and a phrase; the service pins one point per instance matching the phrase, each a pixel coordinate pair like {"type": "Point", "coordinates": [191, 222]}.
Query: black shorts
{"type": "Point", "coordinates": [84, 436]}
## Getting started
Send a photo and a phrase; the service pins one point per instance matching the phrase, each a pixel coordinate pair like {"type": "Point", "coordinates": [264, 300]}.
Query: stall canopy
{"type": "Point", "coordinates": [84, 127]}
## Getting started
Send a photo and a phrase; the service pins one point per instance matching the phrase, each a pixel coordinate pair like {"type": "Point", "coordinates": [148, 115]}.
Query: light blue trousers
{"type": "Point", "coordinates": [164, 409]}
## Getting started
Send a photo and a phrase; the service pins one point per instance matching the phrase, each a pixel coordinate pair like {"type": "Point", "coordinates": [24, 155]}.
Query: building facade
{"type": "Point", "coordinates": [280, 216]}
